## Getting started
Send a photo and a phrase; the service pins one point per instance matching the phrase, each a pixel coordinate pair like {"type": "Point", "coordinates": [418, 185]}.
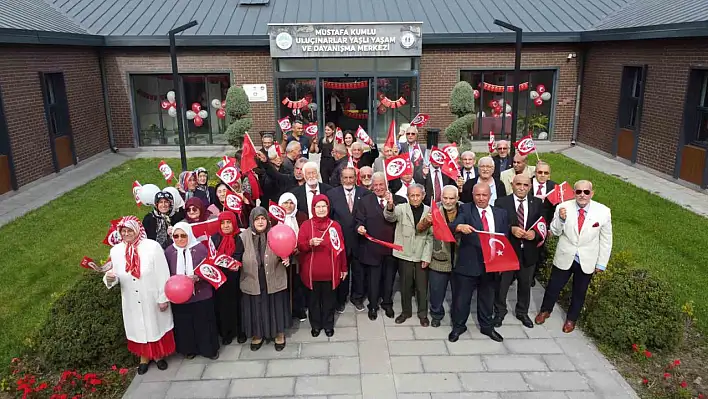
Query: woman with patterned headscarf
{"type": "Point", "coordinates": [158, 223]}
{"type": "Point", "coordinates": [140, 267]}
{"type": "Point", "coordinates": [203, 184]}
{"type": "Point", "coordinates": [187, 186]}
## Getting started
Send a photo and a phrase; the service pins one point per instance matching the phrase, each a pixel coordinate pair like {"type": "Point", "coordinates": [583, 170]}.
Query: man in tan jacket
{"type": "Point", "coordinates": [520, 166]}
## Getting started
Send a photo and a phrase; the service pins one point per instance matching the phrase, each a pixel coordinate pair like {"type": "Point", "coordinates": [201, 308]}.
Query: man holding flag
{"type": "Point", "coordinates": [482, 247]}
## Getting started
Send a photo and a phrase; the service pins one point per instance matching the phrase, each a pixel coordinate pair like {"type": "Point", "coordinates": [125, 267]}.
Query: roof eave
{"type": "Point", "coordinates": [668, 31]}
{"type": "Point", "coordinates": [499, 38]}
{"type": "Point", "coordinates": [188, 41]}
{"type": "Point", "coordinates": [22, 36]}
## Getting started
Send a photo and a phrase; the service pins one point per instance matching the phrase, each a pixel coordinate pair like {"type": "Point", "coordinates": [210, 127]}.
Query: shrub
{"type": "Point", "coordinates": [84, 328]}
{"type": "Point", "coordinates": [460, 129]}
{"type": "Point", "coordinates": [237, 109]}
{"type": "Point", "coordinates": [462, 99]}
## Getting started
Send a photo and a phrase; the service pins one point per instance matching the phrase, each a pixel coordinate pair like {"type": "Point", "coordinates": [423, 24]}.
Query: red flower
{"type": "Point", "coordinates": [76, 397]}
{"type": "Point", "coordinates": [65, 375]}
{"type": "Point", "coordinates": [114, 368]}
{"type": "Point", "coordinates": [15, 360]}
{"type": "Point", "coordinates": [647, 354]}
{"type": "Point", "coordinates": [677, 362]}
{"type": "Point", "coordinates": [41, 387]}
{"type": "Point", "coordinates": [123, 371]}
{"type": "Point", "coordinates": [684, 384]}
{"type": "Point", "coordinates": [95, 381]}
{"type": "Point", "coordinates": [89, 376]}
{"type": "Point", "coordinates": [93, 389]}
{"type": "Point", "coordinates": [645, 381]}
{"type": "Point", "coordinates": [635, 347]}
{"type": "Point", "coordinates": [667, 376]}
{"type": "Point", "coordinates": [701, 396]}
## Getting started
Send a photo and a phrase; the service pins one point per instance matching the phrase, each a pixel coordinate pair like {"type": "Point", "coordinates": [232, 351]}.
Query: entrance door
{"type": "Point", "coordinates": [7, 172]}
{"type": "Point", "coordinates": [347, 103]}
{"type": "Point", "coordinates": [629, 113]}
{"type": "Point", "coordinates": [56, 109]}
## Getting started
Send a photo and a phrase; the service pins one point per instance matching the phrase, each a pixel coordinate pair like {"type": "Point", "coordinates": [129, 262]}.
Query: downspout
{"type": "Point", "coordinates": [106, 106]}
{"type": "Point", "coordinates": [576, 116]}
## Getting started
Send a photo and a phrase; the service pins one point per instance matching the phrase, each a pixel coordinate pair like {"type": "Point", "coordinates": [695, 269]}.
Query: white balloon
{"type": "Point", "coordinates": [171, 96]}
{"type": "Point", "coordinates": [546, 96]}
{"type": "Point", "coordinates": [501, 102]}
{"type": "Point", "coordinates": [543, 135]}
{"type": "Point", "coordinates": [312, 106]}
{"type": "Point", "coordinates": [172, 111]}
{"type": "Point", "coordinates": [216, 103]}
{"type": "Point", "coordinates": [179, 202]}
{"type": "Point", "coordinates": [484, 114]}
{"type": "Point", "coordinates": [147, 194]}
{"type": "Point", "coordinates": [203, 114]}
{"type": "Point", "coordinates": [533, 94]}
{"type": "Point", "coordinates": [507, 108]}
{"type": "Point", "coordinates": [190, 114]}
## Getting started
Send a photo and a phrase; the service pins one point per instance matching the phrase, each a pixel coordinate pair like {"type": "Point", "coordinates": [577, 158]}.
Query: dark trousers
{"type": "Point", "coordinates": [462, 289]}
{"type": "Point", "coordinates": [343, 287]}
{"type": "Point", "coordinates": [360, 285]}
{"type": "Point", "coordinates": [523, 291]}
{"type": "Point", "coordinates": [322, 301]}
{"type": "Point", "coordinates": [298, 291]}
{"type": "Point", "coordinates": [413, 276]}
{"type": "Point", "coordinates": [559, 278]}
{"type": "Point", "coordinates": [437, 282]}
{"type": "Point", "coordinates": [380, 279]}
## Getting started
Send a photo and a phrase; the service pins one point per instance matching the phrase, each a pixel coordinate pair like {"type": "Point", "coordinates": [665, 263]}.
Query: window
{"type": "Point", "coordinates": [702, 110]}
{"type": "Point", "coordinates": [55, 101]}
{"type": "Point", "coordinates": [157, 127]}
{"type": "Point", "coordinates": [494, 103]}
{"type": "Point", "coordinates": [630, 97]}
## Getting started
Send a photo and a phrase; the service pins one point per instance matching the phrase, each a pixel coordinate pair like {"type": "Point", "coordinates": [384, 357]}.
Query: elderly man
{"type": "Point", "coordinates": [468, 171]}
{"type": "Point", "coordinates": [377, 261]}
{"type": "Point", "coordinates": [415, 257]}
{"type": "Point", "coordinates": [267, 142]}
{"type": "Point", "coordinates": [275, 178]}
{"type": "Point", "coordinates": [541, 186]}
{"type": "Point", "coordinates": [486, 176]}
{"type": "Point", "coordinates": [365, 176]}
{"type": "Point", "coordinates": [501, 158]}
{"type": "Point", "coordinates": [434, 180]}
{"type": "Point", "coordinates": [400, 186]}
{"type": "Point", "coordinates": [388, 152]}
{"type": "Point", "coordinates": [528, 209]}
{"type": "Point", "coordinates": [304, 193]}
{"type": "Point", "coordinates": [520, 167]}
{"type": "Point", "coordinates": [306, 145]}
{"type": "Point", "coordinates": [292, 153]}
{"type": "Point", "coordinates": [414, 150]}
{"type": "Point", "coordinates": [360, 158]}
{"type": "Point", "coordinates": [341, 160]}
{"type": "Point", "coordinates": [584, 230]}
{"type": "Point", "coordinates": [444, 254]}
{"type": "Point", "coordinates": [469, 273]}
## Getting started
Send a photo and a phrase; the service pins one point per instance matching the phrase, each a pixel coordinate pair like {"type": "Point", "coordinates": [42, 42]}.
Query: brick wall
{"type": "Point", "coordinates": [440, 71]}
{"type": "Point", "coordinates": [24, 106]}
{"type": "Point", "coordinates": [245, 66]}
{"type": "Point", "coordinates": [669, 63]}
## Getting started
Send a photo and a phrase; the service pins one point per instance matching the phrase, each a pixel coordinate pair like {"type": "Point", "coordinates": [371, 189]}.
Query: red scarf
{"type": "Point", "coordinates": [228, 244]}
{"type": "Point", "coordinates": [132, 259]}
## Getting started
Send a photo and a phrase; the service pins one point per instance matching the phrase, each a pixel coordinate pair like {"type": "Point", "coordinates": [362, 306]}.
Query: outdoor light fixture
{"type": "Point", "coordinates": [178, 90]}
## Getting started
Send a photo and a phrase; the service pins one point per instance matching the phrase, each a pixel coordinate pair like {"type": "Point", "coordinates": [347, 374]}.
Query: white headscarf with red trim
{"type": "Point", "coordinates": [132, 260]}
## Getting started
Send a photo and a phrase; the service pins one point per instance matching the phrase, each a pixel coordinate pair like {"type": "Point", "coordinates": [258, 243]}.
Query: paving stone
{"type": "Point", "coordinates": [440, 333]}
{"type": "Point", "coordinates": [533, 346]}
{"type": "Point", "coordinates": [378, 386]}
{"type": "Point", "coordinates": [328, 349]}
{"type": "Point", "coordinates": [451, 364]}
{"type": "Point", "coordinates": [148, 390]}
{"type": "Point", "coordinates": [559, 363]}
{"type": "Point", "coordinates": [428, 382]}
{"type": "Point", "coordinates": [327, 385]}
{"type": "Point", "coordinates": [341, 397]}
{"type": "Point", "coordinates": [532, 395]}
{"type": "Point", "coordinates": [199, 389]}
{"type": "Point", "coordinates": [538, 331]}
{"type": "Point", "coordinates": [156, 375]}
{"type": "Point", "coordinates": [190, 371]}
{"type": "Point", "coordinates": [259, 387]}
{"type": "Point", "coordinates": [511, 331]}
{"type": "Point", "coordinates": [369, 329]}
{"type": "Point", "coordinates": [291, 350]}
{"type": "Point", "coordinates": [405, 348]}
{"type": "Point", "coordinates": [556, 381]}
{"type": "Point", "coordinates": [583, 395]}
{"type": "Point", "coordinates": [413, 396]}
{"type": "Point", "coordinates": [399, 333]}
{"type": "Point", "coordinates": [475, 347]}
{"type": "Point", "coordinates": [514, 363]}
{"type": "Point", "coordinates": [493, 382]}
{"type": "Point", "coordinates": [406, 364]}
{"type": "Point", "coordinates": [229, 353]}
{"type": "Point", "coordinates": [344, 365]}
{"type": "Point", "coordinates": [583, 356]}
{"type": "Point", "coordinates": [343, 334]}
{"type": "Point", "coordinates": [240, 369]}
{"type": "Point", "coordinates": [608, 383]}
{"type": "Point", "coordinates": [466, 395]}
{"type": "Point", "coordinates": [345, 320]}
{"type": "Point", "coordinates": [374, 357]}
{"type": "Point", "coordinates": [295, 367]}
{"type": "Point", "coordinates": [302, 334]}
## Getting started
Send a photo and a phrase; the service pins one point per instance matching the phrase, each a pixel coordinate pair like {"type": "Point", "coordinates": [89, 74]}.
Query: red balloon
{"type": "Point", "coordinates": [538, 101]}
{"type": "Point", "coordinates": [165, 104]}
{"type": "Point", "coordinates": [196, 107]}
{"type": "Point", "coordinates": [541, 89]}
{"type": "Point", "coordinates": [282, 240]}
{"type": "Point", "coordinates": [179, 288]}
{"type": "Point", "coordinates": [198, 121]}
{"type": "Point", "coordinates": [220, 113]}
{"type": "Point", "coordinates": [498, 109]}
{"type": "Point", "coordinates": [223, 103]}
{"type": "Point", "coordinates": [476, 94]}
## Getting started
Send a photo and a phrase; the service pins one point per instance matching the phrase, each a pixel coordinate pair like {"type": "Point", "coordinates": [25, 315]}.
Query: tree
{"type": "Point", "coordinates": [461, 105]}
{"type": "Point", "coordinates": [237, 110]}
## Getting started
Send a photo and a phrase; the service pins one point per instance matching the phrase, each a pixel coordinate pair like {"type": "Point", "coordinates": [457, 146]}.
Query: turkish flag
{"type": "Point", "coordinates": [391, 138]}
{"type": "Point", "coordinates": [206, 228]}
{"type": "Point", "coordinates": [441, 231]}
{"type": "Point", "coordinates": [248, 155]}
{"type": "Point", "coordinates": [448, 166]}
{"type": "Point", "coordinates": [398, 166]}
{"type": "Point", "coordinates": [541, 228]}
{"type": "Point", "coordinates": [255, 186]}
{"type": "Point", "coordinates": [499, 255]}
{"type": "Point", "coordinates": [420, 120]}
{"type": "Point", "coordinates": [560, 193]}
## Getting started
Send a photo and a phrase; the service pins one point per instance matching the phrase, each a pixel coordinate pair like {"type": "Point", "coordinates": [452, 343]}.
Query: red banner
{"type": "Point", "coordinates": [384, 243]}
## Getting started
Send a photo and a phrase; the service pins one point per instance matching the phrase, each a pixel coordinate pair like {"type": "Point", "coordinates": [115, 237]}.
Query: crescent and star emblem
{"type": "Point", "coordinates": [499, 252]}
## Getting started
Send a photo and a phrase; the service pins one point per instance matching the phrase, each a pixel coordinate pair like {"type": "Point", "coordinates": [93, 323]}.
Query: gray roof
{"type": "Point", "coordinates": [234, 23]}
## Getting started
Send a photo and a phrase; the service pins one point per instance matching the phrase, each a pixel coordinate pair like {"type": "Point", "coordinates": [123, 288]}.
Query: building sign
{"type": "Point", "coordinates": [346, 40]}
{"type": "Point", "coordinates": [256, 93]}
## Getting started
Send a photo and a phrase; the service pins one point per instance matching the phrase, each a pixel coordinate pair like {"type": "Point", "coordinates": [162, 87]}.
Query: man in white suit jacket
{"type": "Point", "coordinates": [584, 229]}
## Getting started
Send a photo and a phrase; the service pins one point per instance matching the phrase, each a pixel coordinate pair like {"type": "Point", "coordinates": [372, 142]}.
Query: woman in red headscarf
{"type": "Point", "coordinates": [323, 264]}
{"type": "Point", "coordinates": [195, 211]}
{"type": "Point", "coordinates": [139, 265]}
{"type": "Point", "coordinates": [228, 296]}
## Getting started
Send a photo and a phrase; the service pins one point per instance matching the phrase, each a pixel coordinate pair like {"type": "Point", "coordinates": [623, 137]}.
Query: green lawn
{"type": "Point", "coordinates": [41, 251]}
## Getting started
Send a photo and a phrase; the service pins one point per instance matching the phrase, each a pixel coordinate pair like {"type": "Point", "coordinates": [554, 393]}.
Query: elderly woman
{"type": "Point", "coordinates": [187, 186]}
{"type": "Point", "coordinates": [158, 223]}
{"type": "Point", "coordinates": [203, 183]}
{"type": "Point", "coordinates": [195, 321]}
{"type": "Point", "coordinates": [246, 202]}
{"type": "Point", "coordinates": [140, 267]}
{"type": "Point", "coordinates": [195, 211]}
{"type": "Point", "coordinates": [293, 219]}
{"type": "Point", "coordinates": [228, 296]}
{"type": "Point", "coordinates": [265, 307]}
{"type": "Point", "coordinates": [323, 264]}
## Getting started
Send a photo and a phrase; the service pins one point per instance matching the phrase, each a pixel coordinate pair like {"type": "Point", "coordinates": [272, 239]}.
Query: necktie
{"type": "Point", "coordinates": [485, 224]}
{"type": "Point", "coordinates": [468, 175]}
{"type": "Point", "coordinates": [350, 200]}
{"type": "Point", "coordinates": [581, 219]}
{"type": "Point", "coordinates": [520, 213]}
{"type": "Point", "coordinates": [540, 188]}
{"type": "Point", "coordinates": [381, 203]}
{"type": "Point", "coordinates": [436, 185]}
{"type": "Point", "coordinates": [314, 192]}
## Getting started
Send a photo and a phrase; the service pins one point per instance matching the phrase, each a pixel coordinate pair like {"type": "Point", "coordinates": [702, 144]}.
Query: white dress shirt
{"type": "Point", "coordinates": [493, 197]}
{"type": "Point", "coordinates": [488, 215]}
{"type": "Point", "coordinates": [403, 191]}
{"type": "Point", "coordinates": [310, 196]}
{"type": "Point", "coordinates": [468, 174]}
{"type": "Point", "coordinates": [544, 189]}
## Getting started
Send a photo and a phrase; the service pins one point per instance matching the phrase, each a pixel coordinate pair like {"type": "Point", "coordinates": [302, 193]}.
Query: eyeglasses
{"type": "Point", "coordinates": [192, 209]}
{"type": "Point", "coordinates": [502, 148]}
{"type": "Point", "coordinates": [178, 236]}
{"type": "Point", "coordinates": [366, 176]}
{"type": "Point", "coordinates": [578, 192]}
{"type": "Point", "coordinates": [542, 172]}
{"type": "Point", "coordinates": [410, 134]}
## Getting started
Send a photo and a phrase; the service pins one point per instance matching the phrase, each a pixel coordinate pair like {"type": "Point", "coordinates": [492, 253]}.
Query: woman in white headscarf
{"type": "Point", "coordinates": [298, 292]}
{"type": "Point", "coordinates": [195, 320]}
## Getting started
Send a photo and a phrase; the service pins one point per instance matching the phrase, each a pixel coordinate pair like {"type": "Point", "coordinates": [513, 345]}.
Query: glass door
{"type": "Point", "coordinates": [346, 102]}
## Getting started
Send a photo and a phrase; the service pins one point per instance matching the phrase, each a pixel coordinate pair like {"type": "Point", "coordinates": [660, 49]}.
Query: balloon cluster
{"type": "Point", "coordinates": [498, 107]}
{"type": "Point", "coordinates": [146, 195]}
{"type": "Point", "coordinates": [169, 104]}
{"type": "Point", "coordinates": [197, 114]}
{"type": "Point", "coordinates": [220, 107]}
{"type": "Point", "coordinates": [539, 95]}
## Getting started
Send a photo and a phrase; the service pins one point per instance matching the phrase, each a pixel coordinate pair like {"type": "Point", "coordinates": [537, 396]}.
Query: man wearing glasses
{"type": "Point", "coordinates": [584, 228]}
{"type": "Point", "coordinates": [541, 186]}
{"type": "Point", "coordinates": [415, 151]}
{"type": "Point", "coordinates": [486, 176]}
{"type": "Point", "coordinates": [501, 159]}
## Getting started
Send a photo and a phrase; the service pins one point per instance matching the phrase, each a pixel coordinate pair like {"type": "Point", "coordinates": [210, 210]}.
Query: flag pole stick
{"type": "Point", "coordinates": [537, 157]}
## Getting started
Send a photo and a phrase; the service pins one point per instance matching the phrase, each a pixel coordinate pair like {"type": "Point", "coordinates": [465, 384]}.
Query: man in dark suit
{"type": "Point", "coordinates": [486, 176]}
{"type": "Point", "coordinates": [304, 193]}
{"type": "Point", "coordinates": [541, 186]}
{"type": "Point", "coordinates": [267, 142]}
{"type": "Point", "coordinates": [433, 181]}
{"type": "Point", "coordinates": [502, 160]}
{"type": "Point", "coordinates": [469, 273]}
{"type": "Point", "coordinates": [416, 152]}
{"type": "Point", "coordinates": [377, 261]}
{"type": "Point", "coordinates": [344, 200]}
{"type": "Point", "coordinates": [292, 154]}
{"type": "Point", "coordinates": [339, 153]}
{"type": "Point", "coordinates": [467, 169]}
{"type": "Point", "coordinates": [528, 209]}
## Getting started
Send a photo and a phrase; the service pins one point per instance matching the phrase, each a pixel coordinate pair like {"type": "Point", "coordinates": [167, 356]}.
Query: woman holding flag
{"type": "Point", "coordinates": [323, 264]}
